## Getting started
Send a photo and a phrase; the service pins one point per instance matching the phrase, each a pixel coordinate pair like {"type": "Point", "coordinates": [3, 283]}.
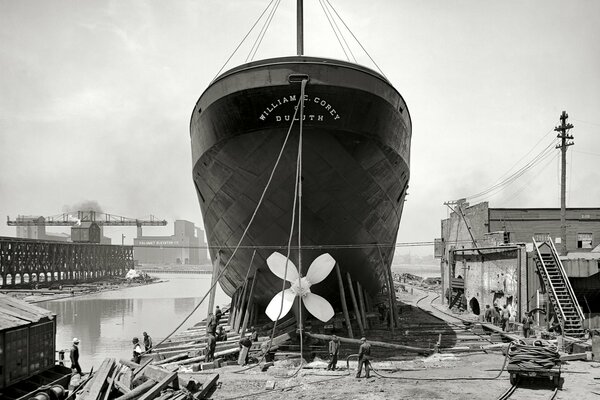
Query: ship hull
{"type": "Point", "coordinates": [355, 169]}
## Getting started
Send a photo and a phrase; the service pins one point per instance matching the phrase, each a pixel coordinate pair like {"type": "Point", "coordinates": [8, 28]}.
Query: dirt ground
{"type": "Point", "coordinates": [461, 376]}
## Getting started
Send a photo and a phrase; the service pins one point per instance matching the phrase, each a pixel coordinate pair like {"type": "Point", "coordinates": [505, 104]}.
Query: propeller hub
{"type": "Point", "coordinates": [301, 287]}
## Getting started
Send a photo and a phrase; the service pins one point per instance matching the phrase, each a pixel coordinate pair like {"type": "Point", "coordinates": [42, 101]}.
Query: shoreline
{"type": "Point", "coordinates": [74, 290]}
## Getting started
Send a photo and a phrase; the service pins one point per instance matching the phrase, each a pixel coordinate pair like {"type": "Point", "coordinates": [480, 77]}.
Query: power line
{"type": "Point", "coordinates": [500, 185]}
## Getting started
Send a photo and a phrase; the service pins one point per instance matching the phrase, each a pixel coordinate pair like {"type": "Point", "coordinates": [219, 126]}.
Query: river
{"type": "Point", "coordinates": [105, 322]}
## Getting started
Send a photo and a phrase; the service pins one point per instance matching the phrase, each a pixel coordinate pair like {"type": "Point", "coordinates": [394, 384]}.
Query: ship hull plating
{"type": "Point", "coordinates": [355, 170]}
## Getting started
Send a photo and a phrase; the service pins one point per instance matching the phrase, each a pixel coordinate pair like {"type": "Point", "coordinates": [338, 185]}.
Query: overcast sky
{"type": "Point", "coordinates": [95, 98]}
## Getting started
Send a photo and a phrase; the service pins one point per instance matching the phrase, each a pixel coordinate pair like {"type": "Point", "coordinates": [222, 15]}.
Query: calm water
{"type": "Point", "coordinates": [106, 322]}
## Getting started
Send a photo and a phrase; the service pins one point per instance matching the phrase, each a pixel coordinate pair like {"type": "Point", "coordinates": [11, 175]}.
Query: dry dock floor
{"type": "Point", "coordinates": [460, 376]}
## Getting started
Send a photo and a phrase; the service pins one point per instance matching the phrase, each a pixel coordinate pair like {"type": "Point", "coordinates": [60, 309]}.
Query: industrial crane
{"type": "Point", "coordinates": [68, 219]}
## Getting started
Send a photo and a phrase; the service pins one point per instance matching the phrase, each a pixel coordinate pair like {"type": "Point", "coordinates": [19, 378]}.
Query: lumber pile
{"type": "Point", "coordinates": [125, 380]}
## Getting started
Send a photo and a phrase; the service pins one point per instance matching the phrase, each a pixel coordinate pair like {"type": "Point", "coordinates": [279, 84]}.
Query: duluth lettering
{"type": "Point", "coordinates": [308, 102]}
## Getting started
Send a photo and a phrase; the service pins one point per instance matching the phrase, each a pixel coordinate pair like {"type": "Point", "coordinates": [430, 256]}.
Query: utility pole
{"type": "Point", "coordinates": [563, 136]}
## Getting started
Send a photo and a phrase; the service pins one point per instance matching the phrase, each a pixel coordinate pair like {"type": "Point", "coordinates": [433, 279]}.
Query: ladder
{"type": "Point", "coordinates": [561, 295]}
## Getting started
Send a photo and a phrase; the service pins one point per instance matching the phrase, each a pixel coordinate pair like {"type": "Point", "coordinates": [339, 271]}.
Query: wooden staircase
{"type": "Point", "coordinates": [561, 295]}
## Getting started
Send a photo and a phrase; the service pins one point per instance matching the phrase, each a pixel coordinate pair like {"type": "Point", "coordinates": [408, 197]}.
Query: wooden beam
{"type": "Point", "coordinates": [156, 389]}
{"type": "Point", "coordinates": [206, 387]}
{"type": "Point", "coordinates": [373, 343]}
{"type": "Point", "coordinates": [241, 305]}
{"type": "Point", "coordinates": [249, 305]}
{"type": "Point", "coordinates": [138, 391]}
{"type": "Point", "coordinates": [140, 368]}
{"type": "Point", "coordinates": [392, 290]}
{"type": "Point", "coordinates": [355, 305]}
{"type": "Point", "coordinates": [121, 387]}
{"type": "Point", "coordinates": [99, 382]}
{"type": "Point", "coordinates": [232, 309]}
{"type": "Point", "coordinates": [213, 284]}
{"type": "Point", "coordinates": [343, 300]}
{"type": "Point", "coordinates": [111, 383]}
{"type": "Point", "coordinates": [361, 302]}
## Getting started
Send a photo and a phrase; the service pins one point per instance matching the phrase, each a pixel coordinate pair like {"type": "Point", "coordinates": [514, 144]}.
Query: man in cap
{"type": "Point", "coordinates": [137, 350]}
{"type": "Point", "coordinates": [364, 356]}
{"type": "Point", "coordinates": [334, 348]}
{"type": "Point", "coordinates": [147, 343]}
{"type": "Point", "coordinates": [75, 357]}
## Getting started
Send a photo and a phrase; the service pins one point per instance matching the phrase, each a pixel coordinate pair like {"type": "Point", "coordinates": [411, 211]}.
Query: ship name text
{"type": "Point", "coordinates": [326, 109]}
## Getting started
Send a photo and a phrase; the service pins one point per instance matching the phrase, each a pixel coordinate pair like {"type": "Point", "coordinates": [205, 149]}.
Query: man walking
{"type": "Point", "coordinates": [364, 356]}
{"type": "Point", "coordinates": [147, 343]}
{"type": "Point", "coordinates": [75, 357]}
{"type": "Point", "coordinates": [527, 321]}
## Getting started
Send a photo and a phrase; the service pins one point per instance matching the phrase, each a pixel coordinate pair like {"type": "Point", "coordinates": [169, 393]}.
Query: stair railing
{"type": "Point", "coordinates": [549, 280]}
{"type": "Point", "coordinates": [567, 281]}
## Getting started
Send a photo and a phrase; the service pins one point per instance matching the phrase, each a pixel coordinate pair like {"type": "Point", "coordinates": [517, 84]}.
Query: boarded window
{"type": "Point", "coordinates": [584, 240]}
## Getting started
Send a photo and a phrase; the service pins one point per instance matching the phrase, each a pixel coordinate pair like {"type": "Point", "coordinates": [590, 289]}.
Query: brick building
{"type": "Point", "coordinates": [486, 256]}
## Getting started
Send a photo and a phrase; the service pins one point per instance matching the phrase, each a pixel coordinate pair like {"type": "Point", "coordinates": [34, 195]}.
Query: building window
{"type": "Point", "coordinates": [540, 237]}
{"type": "Point", "coordinates": [584, 240]}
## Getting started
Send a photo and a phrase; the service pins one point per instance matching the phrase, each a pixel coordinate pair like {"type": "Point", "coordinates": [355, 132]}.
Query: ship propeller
{"type": "Point", "coordinates": [315, 304]}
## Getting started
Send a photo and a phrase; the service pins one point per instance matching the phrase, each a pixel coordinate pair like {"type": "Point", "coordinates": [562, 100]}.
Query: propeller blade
{"type": "Point", "coordinates": [275, 307]}
{"type": "Point", "coordinates": [277, 263]}
{"type": "Point", "coordinates": [320, 268]}
{"type": "Point", "coordinates": [318, 306]}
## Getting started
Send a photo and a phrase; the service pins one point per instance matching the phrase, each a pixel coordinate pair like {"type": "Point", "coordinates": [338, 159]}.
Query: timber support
{"type": "Point", "coordinates": [30, 261]}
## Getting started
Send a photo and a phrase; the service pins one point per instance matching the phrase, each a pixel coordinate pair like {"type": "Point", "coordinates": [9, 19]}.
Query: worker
{"type": "Point", "coordinates": [218, 314]}
{"type": "Point", "coordinates": [266, 350]}
{"type": "Point", "coordinates": [495, 315]}
{"type": "Point", "coordinates": [527, 322]}
{"type": "Point", "coordinates": [245, 344]}
{"type": "Point", "coordinates": [505, 316]}
{"type": "Point", "coordinates": [364, 357]}
{"type": "Point", "coordinates": [211, 324]}
{"type": "Point", "coordinates": [147, 343]}
{"type": "Point", "coordinates": [211, 344]}
{"type": "Point", "coordinates": [487, 314]}
{"type": "Point", "coordinates": [334, 349]}
{"type": "Point", "coordinates": [137, 350]}
{"type": "Point", "coordinates": [221, 335]}
{"type": "Point", "coordinates": [254, 334]}
{"type": "Point", "coordinates": [75, 357]}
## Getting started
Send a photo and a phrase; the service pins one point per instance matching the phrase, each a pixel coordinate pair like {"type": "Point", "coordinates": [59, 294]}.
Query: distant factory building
{"type": "Point", "coordinates": [185, 246]}
{"type": "Point", "coordinates": [36, 229]}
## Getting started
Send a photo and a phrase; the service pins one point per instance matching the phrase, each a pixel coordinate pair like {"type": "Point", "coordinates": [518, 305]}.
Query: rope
{"type": "Point", "coordinates": [241, 238]}
{"type": "Point", "coordinates": [242, 41]}
{"type": "Point", "coordinates": [473, 378]}
{"type": "Point", "coordinates": [299, 191]}
{"type": "Point", "coordinates": [533, 356]}
{"type": "Point", "coordinates": [355, 38]}
{"type": "Point", "coordinates": [262, 32]}
{"type": "Point", "coordinates": [289, 244]}
{"type": "Point", "coordinates": [327, 14]}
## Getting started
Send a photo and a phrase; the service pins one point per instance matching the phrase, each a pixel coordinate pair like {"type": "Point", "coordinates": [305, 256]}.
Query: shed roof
{"type": "Point", "coordinates": [15, 313]}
